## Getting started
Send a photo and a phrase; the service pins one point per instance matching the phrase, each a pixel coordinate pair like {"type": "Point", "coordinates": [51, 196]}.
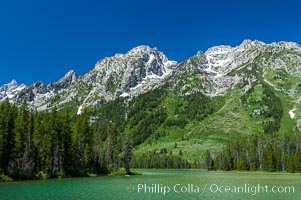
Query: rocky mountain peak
{"type": "Point", "coordinates": [142, 49]}
{"type": "Point", "coordinates": [137, 71]}
{"type": "Point", "coordinates": [9, 85]}
{"type": "Point", "coordinates": [71, 73]}
{"type": "Point", "coordinates": [251, 43]}
{"type": "Point", "coordinates": [13, 83]}
{"type": "Point", "coordinates": [221, 49]}
{"type": "Point", "coordinates": [10, 89]}
{"type": "Point", "coordinates": [69, 78]}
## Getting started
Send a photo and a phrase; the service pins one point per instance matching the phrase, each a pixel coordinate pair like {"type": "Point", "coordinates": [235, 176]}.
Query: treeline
{"type": "Point", "coordinates": [161, 159]}
{"type": "Point", "coordinates": [268, 152]}
{"type": "Point", "coordinates": [39, 145]}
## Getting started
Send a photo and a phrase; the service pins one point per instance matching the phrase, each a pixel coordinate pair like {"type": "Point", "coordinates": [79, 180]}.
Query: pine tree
{"type": "Point", "coordinates": [37, 142]}
{"type": "Point", "coordinates": [66, 143]}
{"type": "Point", "coordinates": [112, 148]}
{"type": "Point", "coordinates": [29, 147]}
{"type": "Point", "coordinates": [269, 158]}
{"type": "Point", "coordinates": [208, 160]}
{"type": "Point", "coordinates": [45, 145]}
{"type": "Point", "coordinates": [127, 150]}
{"type": "Point", "coordinates": [82, 135]}
{"type": "Point", "coordinates": [7, 115]}
{"type": "Point", "coordinates": [298, 161]}
{"type": "Point", "coordinates": [21, 128]}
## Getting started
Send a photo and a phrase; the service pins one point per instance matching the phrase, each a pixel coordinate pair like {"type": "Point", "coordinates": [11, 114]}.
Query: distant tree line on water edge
{"type": "Point", "coordinates": [275, 152]}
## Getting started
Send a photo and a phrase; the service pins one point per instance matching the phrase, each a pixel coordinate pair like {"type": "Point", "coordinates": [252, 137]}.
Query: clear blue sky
{"type": "Point", "coordinates": [43, 39]}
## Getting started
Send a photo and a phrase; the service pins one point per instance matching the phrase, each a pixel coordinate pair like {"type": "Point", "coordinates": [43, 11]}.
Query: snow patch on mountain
{"type": "Point", "coordinates": [291, 113]}
{"type": "Point", "coordinates": [79, 111]}
{"type": "Point", "coordinates": [224, 60]}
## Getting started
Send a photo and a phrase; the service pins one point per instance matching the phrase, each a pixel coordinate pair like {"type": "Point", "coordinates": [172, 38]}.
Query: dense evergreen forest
{"type": "Point", "coordinates": [35, 145]}
{"type": "Point", "coordinates": [52, 144]}
{"type": "Point", "coordinates": [267, 152]}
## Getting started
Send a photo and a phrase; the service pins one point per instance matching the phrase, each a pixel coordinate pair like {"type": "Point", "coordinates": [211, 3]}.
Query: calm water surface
{"type": "Point", "coordinates": [161, 184]}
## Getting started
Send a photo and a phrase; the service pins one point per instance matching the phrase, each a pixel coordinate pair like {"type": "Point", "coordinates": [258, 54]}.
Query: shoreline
{"type": "Point", "coordinates": [144, 171]}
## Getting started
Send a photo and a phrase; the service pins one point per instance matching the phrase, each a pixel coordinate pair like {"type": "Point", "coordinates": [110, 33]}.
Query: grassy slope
{"type": "Point", "coordinates": [230, 121]}
{"type": "Point", "coordinates": [233, 120]}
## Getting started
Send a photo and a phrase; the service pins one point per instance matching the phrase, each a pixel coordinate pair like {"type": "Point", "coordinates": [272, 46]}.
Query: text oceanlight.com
{"type": "Point", "coordinates": [211, 188]}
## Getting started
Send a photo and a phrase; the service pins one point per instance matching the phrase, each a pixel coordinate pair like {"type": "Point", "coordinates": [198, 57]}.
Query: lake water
{"type": "Point", "coordinates": [161, 184]}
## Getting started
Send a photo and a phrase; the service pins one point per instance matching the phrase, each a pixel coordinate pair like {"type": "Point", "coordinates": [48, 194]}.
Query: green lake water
{"type": "Point", "coordinates": [161, 184]}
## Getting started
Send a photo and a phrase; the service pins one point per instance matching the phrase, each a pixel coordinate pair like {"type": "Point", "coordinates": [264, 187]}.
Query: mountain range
{"type": "Point", "coordinates": [258, 87]}
{"type": "Point", "coordinates": [143, 68]}
{"type": "Point", "coordinates": [138, 71]}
